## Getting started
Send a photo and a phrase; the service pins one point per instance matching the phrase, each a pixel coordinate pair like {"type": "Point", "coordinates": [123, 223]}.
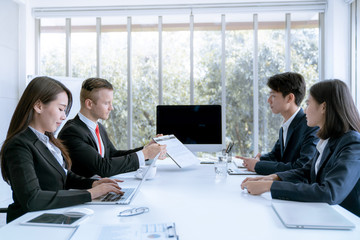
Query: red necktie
{"type": "Point", "coordinates": [98, 137]}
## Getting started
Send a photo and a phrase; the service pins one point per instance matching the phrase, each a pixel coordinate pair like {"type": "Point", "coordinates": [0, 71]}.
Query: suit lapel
{"type": "Point", "coordinates": [86, 129]}
{"type": "Point", "coordinates": [289, 133]}
{"type": "Point", "coordinates": [45, 152]}
{"type": "Point", "coordinates": [326, 155]}
{"type": "Point", "coordinates": [312, 172]}
{"type": "Point", "coordinates": [292, 126]}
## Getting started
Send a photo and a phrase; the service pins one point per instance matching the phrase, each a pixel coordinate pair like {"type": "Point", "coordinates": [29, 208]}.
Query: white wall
{"type": "Point", "coordinates": [9, 73]}
{"type": "Point", "coordinates": [337, 41]}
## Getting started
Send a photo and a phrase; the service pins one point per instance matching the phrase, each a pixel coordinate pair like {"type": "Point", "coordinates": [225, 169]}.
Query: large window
{"type": "Point", "coordinates": [186, 59]}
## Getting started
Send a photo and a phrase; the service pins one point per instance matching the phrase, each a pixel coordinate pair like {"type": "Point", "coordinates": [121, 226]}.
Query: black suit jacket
{"type": "Point", "coordinates": [86, 161]}
{"type": "Point", "coordinates": [300, 148]}
{"type": "Point", "coordinates": [37, 180]}
{"type": "Point", "coordinates": [337, 180]}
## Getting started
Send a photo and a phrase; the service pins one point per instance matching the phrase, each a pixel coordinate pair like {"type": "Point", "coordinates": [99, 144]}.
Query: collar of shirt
{"type": "Point", "coordinates": [320, 147]}
{"type": "Point", "coordinates": [42, 137]}
{"type": "Point", "coordinates": [286, 125]}
{"type": "Point", "coordinates": [55, 151]}
{"type": "Point", "coordinates": [90, 124]}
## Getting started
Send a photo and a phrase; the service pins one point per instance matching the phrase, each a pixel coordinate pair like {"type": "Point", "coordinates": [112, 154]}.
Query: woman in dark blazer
{"type": "Point", "coordinates": [333, 175]}
{"type": "Point", "coordinates": [35, 163]}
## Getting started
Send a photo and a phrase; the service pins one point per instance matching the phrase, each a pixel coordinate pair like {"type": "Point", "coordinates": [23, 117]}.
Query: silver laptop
{"type": "Point", "coordinates": [129, 192]}
{"type": "Point", "coordinates": [310, 215]}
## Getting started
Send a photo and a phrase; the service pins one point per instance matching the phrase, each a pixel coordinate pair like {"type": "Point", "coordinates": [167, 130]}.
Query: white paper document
{"type": "Point", "coordinates": [138, 232]}
{"type": "Point", "coordinates": [180, 154]}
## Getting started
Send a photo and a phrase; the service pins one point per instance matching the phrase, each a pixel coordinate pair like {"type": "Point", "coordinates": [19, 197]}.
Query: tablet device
{"type": "Point", "coordinates": [56, 219]}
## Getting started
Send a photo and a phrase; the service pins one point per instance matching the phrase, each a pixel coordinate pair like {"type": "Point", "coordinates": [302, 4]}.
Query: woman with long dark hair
{"type": "Point", "coordinates": [35, 163]}
{"type": "Point", "coordinates": [333, 175]}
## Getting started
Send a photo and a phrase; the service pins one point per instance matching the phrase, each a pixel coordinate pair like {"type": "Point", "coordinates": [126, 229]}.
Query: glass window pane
{"type": "Point", "coordinates": [207, 59]}
{"type": "Point", "coordinates": [83, 47]}
{"type": "Point", "coordinates": [271, 58]}
{"type": "Point", "coordinates": [52, 47]}
{"type": "Point", "coordinates": [114, 69]}
{"type": "Point", "coordinates": [145, 84]}
{"type": "Point", "coordinates": [176, 59]}
{"type": "Point", "coordinates": [305, 46]}
{"type": "Point", "coordinates": [239, 82]}
{"type": "Point", "coordinates": [176, 66]}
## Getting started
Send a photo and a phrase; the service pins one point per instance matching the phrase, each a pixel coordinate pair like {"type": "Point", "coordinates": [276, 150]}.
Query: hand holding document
{"type": "Point", "coordinates": [182, 156]}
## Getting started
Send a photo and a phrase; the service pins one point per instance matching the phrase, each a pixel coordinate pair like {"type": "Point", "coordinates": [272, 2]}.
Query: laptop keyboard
{"type": "Point", "coordinates": [114, 197]}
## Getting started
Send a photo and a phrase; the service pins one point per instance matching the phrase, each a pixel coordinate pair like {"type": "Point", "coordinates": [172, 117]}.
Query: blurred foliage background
{"type": "Point", "coordinates": [176, 75]}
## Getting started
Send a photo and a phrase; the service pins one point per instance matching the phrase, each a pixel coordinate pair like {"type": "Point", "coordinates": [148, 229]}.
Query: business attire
{"type": "Point", "coordinates": [333, 176]}
{"type": "Point", "coordinates": [85, 154]}
{"type": "Point", "coordinates": [298, 148]}
{"type": "Point", "coordinates": [37, 179]}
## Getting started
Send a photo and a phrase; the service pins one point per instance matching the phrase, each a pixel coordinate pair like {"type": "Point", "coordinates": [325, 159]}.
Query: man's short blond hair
{"type": "Point", "coordinates": [91, 86]}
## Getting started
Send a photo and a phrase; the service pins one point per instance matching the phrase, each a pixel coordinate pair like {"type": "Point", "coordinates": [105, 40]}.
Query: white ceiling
{"type": "Point", "coordinates": [78, 3]}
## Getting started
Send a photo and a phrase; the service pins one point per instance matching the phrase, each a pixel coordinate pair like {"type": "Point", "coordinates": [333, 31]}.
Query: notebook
{"type": "Point", "coordinates": [129, 192]}
{"type": "Point", "coordinates": [238, 163]}
{"type": "Point", "coordinates": [310, 215]}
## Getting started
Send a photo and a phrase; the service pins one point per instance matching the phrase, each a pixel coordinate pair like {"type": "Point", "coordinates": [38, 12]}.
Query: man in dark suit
{"type": "Point", "coordinates": [91, 151]}
{"type": "Point", "coordinates": [297, 142]}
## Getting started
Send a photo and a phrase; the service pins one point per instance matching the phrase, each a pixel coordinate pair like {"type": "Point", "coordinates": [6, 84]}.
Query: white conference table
{"type": "Point", "coordinates": [201, 208]}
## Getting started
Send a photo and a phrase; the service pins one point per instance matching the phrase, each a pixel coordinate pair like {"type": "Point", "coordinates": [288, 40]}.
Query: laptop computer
{"type": "Point", "coordinates": [310, 215]}
{"type": "Point", "coordinates": [129, 192]}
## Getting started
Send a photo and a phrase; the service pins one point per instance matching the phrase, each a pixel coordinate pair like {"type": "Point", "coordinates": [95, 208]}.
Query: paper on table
{"type": "Point", "coordinates": [182, 156]}
{"type": "Point", "coordinates": [242, 171]}
{"type": "Point", "coordinates": [238, 163]}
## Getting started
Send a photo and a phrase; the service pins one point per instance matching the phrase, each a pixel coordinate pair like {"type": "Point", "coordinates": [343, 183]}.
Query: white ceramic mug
{"type": "Point", "coordinates": [141, 171]}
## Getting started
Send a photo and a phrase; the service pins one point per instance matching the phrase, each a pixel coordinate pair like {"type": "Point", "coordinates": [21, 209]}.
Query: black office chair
{"type": "Point", "coordinates": [3, 210]}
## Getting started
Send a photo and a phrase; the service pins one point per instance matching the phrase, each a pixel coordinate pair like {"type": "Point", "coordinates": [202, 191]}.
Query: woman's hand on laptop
{"type": "Point", "coordinates": [104, 186]}
{"type": "Point", "coordinates": [106, 180]}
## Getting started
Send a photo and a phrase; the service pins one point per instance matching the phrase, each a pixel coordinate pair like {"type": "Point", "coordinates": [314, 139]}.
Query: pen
{"type": "Point", "coordinates": [229, 147]}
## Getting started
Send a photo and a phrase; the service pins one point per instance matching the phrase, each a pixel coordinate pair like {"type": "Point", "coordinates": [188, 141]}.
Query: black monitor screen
{"type": "Point", "coordinates": [191, 124]}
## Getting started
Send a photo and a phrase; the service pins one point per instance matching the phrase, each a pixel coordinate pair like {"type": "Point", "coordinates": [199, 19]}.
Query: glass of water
{"type": "Point", "coordinates": [221, 165]}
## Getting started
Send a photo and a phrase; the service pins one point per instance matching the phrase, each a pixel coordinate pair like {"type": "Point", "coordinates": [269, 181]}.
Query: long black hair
{"type": "Point", "coordinates": [42, 89]}
{"type": "Point", "coordinates": [341, 115]}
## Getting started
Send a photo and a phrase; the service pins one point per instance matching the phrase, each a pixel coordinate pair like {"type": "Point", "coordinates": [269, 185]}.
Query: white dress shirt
{"type": "Point", "coordinates": [52, 148]}
{"type": "Point", "coordinates": [91, 125]}
{"type": "Point", "coordinates": [286, 126]}
{"type": "Point", "coordinates": [320, 147]}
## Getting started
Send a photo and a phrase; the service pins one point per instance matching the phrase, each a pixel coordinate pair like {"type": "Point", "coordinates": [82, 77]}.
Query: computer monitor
{"type": "Point", "coordinates": [198, 127]}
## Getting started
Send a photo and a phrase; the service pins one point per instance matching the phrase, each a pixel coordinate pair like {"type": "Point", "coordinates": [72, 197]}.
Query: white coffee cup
{"type": "Point", "coordinates": [141, 171]}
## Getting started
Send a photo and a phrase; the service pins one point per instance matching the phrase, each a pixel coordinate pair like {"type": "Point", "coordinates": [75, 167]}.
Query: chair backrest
{"type": "Point", "coordinates": [3, 210]}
